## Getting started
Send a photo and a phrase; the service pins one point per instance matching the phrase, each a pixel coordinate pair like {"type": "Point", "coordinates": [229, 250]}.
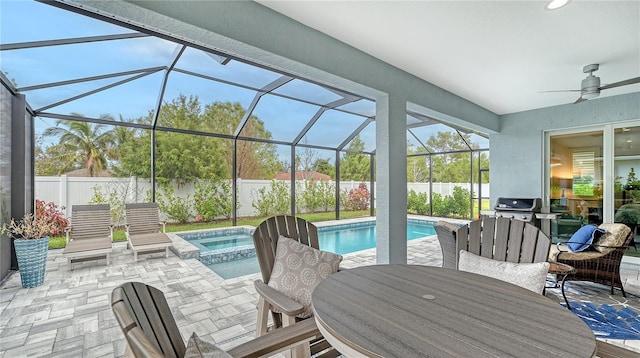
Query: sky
{"type": "Point", "coordinates": [283, 117]}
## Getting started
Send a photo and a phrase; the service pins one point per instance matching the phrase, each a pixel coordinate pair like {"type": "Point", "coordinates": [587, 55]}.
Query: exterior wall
{"type": "Point", "coordinates": [517, 152]}
{"type": "Point", "coordinates": [5, 177]}
{"type": "Point", "coordinates": [67, 191]}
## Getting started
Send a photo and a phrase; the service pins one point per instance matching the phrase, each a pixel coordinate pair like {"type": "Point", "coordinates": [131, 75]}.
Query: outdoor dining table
{"type": "Point", "coordinates": [424, 311]}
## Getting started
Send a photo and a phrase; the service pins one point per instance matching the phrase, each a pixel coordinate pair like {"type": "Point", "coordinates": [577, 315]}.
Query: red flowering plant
{"type": "Point", "coordinates": [359, 198]}
{"type": "Point", "coordinates": [52, 215]}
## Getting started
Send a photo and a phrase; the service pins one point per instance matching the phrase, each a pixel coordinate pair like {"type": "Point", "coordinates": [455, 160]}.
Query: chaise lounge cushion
{"type": "Point", "coordinates": [531, 276]}
{"type": "Point", "coordinates": [299, 268]}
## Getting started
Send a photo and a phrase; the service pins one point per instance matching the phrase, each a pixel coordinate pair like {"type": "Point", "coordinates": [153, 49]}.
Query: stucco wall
{"type": "Point", "coordinates": [517, 165]}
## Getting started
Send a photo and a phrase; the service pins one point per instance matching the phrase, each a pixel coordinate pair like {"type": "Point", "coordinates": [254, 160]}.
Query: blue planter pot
{"type": "Point", "coordinates": [32, 260]}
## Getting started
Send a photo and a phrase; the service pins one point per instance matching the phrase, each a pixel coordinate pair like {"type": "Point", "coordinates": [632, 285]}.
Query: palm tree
{"type": "Point", "coordinates": [87, 144]}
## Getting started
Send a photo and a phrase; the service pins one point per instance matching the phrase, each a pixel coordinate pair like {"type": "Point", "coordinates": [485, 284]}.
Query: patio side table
{"type": "Point", "coordinates": [560, 269]}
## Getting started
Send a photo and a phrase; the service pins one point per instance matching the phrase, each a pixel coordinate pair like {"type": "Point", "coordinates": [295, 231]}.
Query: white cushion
{"type": "Point", "coordinates": [299, 268]}
{"type": "Point", "coordinates": [530, 276]}
{"type": "Point", "coordinates": [197, 348]}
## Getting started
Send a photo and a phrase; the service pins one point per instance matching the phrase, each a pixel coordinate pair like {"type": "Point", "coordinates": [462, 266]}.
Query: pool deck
{"type": "Point", "coordinates": [70, 316]}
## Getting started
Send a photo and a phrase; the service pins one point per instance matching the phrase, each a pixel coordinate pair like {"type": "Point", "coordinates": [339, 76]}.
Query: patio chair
{"type": "Point", "coordinates": [143, 230]}
{"type": "Point", "coordinates": [601, 264]}
{"type": "Point", "coordinates": [447, 237]}
{"type": "Point", "coordinates": [504, 239]}
{"type": "Point", "coordinates": [517, 251]}
{"type": "Point", "coordinates": [282, 308]}
{"type": "Point", "coordinates": [150, 329]}
{"type": "Point", "coordinates": [90, 235]}
{"type": "Point", "coordinates": [608, 350]}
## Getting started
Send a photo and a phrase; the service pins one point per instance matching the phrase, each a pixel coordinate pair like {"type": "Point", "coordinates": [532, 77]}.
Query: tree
{"type": "Point", "coordinates": [81, 144]}
{"type": "Point", "coordinates": [180, 157]}
{"type": "Point", "coordinates": [255, 160]}
{"type": "Point", "coordinates": [52, 160]}
{"type": "Point", "coordinates": [417, 166]}
{"type": "Point", "coordinates": [187, 157]}
{"type": "Point", "coordinates": [325, 167]}
{"type": "Point", "coordinates": [355, 166]}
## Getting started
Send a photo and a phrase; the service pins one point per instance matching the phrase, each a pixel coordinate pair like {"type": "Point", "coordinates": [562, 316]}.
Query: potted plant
{"type": "Point", "coordinates": [31, 244]}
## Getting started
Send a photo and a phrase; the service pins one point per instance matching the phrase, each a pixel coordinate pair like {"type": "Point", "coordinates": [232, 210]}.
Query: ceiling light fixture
{"type": "Point", "coordinates": [556, 4]}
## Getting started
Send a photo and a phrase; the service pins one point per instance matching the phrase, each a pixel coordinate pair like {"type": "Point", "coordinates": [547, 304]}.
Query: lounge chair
{"type": "Point", "coordinates": [284, 310]}
{"type": "Point", "coordinates": [602, 264]}
{"type": "Point", "coordinates": [90, 235]}
{"type": "Point", "coordinates": [151, 330]}
{"type": "Point", "coordinates": [143, 230]}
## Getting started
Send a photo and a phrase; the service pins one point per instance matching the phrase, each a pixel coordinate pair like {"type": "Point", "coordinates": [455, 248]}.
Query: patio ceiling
{"type": "Point", "coordinates": [497, 54]}
{"type": "Point", "coordinates": [73, 66]}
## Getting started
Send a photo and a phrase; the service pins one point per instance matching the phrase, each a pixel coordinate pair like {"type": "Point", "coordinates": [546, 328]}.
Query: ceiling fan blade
{"type": "Point", "coordinates": [579, 100]}
{"type": "Point", "coordinates": [621, 83]}
{"type": "Point", "coordinates": [560, 91]}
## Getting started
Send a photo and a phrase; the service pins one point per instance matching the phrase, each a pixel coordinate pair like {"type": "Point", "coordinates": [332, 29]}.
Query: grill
{"type": "Point", "coordinates": [519, 208]}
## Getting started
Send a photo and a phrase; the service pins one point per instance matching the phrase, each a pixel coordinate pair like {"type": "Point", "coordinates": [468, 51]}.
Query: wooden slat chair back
{"type": "Point", "coordinates": [142, 218]}
{"type": "Point", "coordinates": [504, 239]}
{"type": "Point", "coordinates": [90, 221]}
{"type": "Point", "coordinates": [146, 321]}
{"type": "Point", "coordinates": [265, 238]}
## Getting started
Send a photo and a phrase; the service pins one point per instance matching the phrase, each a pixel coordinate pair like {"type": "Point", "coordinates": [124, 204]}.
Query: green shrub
{"type": "Point", "coordinates": [272, 200]}
{"type": "Point", "coordinates": [212, 199]}
{"type": "Point", "coordinates": [176, 208]}
{"type": "Point", "coordinates": [418, 203]}
{"type": "Point", "coordinates": [439, 205]}
{"type": "Point", "coordinates": [452, 206]}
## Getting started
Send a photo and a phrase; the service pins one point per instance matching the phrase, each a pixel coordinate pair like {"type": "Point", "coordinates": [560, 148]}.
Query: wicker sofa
{"type": "Point", "coordinates": [601, 264]}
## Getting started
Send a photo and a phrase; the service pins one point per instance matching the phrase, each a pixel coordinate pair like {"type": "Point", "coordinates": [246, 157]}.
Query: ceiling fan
{"type": "Point", "coordinates": [591, 88]}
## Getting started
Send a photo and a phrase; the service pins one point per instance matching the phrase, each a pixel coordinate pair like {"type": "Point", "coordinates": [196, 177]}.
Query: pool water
{"type": "Point", "coordinates": [347, 240]}
{"type": "Point", "coordinates": [221, 242]}
{"type": "Point", "coordinates": [340, 239]}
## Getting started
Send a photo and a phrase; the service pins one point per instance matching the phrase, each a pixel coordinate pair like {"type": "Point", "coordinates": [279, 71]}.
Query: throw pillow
{"type": "Point", "coordinates": [197, 348]}
{"type": "Point", "coordinates": [616, 235]}
{"type": "Point", "coordinates": [299, 268]}
{"type": "Point", "coordinates": [530, 276]}
{"type": "Point", "coordinates": [582, 239]}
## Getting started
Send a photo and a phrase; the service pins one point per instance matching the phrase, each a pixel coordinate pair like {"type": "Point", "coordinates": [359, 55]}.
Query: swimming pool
{"type": "Point", "coordinates": [347, 238]}
{"type": "Point", "coordinates": [230, 252]}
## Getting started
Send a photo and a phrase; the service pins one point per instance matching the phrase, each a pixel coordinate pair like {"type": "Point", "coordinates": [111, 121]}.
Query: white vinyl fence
{"type": "Point", "coordinates": [67, 191]}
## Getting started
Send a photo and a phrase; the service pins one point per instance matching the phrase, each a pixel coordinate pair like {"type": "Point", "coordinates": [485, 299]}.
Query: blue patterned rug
{"type": "Point", "coordinates": [609, 316]}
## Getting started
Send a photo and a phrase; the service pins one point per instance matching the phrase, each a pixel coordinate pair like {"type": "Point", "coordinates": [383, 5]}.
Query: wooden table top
{"type": "Point", "coordinates": [417, 311]}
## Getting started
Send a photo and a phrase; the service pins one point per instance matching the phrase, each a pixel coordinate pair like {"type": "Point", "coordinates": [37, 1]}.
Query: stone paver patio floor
{"type": "Point", "coordinates": [70, 316]}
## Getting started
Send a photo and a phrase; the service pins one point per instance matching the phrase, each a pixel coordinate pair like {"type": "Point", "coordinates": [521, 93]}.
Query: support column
{"type": "Point", "coordinates": [391, 180]}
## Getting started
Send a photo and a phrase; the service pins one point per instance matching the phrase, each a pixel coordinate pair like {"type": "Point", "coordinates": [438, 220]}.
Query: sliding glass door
{"type": "Point", "coordinates": [593, 176]}
{"type": "Point", "coordinates": [626, 167]}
